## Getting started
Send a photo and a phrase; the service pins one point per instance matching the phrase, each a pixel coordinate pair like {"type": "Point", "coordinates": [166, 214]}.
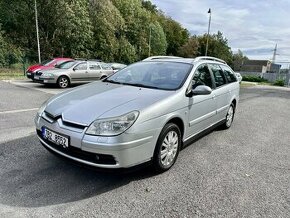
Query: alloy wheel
{"type": "Point", "coordinates": [169, 148]}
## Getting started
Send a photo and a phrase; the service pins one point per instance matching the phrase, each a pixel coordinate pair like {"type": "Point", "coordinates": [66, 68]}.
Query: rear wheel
{"type": "Point", "coordinates": [167, 148]}
{"type": "Point", "coordinates": [63, 82]}
{"type": "Point", "coordinates": [229, 117]}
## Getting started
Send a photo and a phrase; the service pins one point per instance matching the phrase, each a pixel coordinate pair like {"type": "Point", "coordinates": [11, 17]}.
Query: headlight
{"type": "Point", "coordinates": [112, 126]}
{"type": "Point", "coordinates": [47, 75]}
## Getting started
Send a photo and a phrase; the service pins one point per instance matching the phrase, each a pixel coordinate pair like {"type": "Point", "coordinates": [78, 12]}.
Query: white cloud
{"type": "Point", "coordinates": [252, 26]}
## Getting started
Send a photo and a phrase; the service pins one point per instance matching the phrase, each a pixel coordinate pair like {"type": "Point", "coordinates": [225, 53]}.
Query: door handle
{"type": "Point", "coordinates": [213, 97]}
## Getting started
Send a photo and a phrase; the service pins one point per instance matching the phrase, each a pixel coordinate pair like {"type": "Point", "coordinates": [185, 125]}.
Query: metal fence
{"type": "Point", "coordinates": [271, 77]}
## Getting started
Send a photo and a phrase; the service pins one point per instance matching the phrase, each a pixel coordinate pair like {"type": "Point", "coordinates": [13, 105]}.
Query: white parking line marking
{"type": "Point", "coordinates": [18, 111]}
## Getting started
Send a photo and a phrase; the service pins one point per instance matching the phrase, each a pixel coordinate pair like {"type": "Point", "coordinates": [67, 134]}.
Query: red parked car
{"type": "Point", "coordinates": [45, 65]}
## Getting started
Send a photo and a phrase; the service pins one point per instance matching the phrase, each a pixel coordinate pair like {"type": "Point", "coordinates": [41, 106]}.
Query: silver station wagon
{"type": "Point", "coordinates": [74, 72]}
{"type": "Point", "coordinates": [143, 113]}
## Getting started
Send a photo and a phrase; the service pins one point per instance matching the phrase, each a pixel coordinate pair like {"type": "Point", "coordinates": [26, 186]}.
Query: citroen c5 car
{"type": "Point", "coordinates": [145, 112]}
{"type": "Point", "coordinates": [74, 72]}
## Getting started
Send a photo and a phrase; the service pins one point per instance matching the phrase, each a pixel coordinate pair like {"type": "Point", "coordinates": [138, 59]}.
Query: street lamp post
{"type": "Point", "coordinates": [206, 49]}
{"type": "Point", "coordinates": [150, 33]}
{"type": "Point", "coordinates": [37, 34]}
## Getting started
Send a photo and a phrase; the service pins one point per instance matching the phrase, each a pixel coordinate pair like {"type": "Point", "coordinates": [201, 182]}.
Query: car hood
{"type": "Point", "coordinates": [34, 67]}
{"type": "Point", "coordinates": [85, 104]}
{"type": "Point", "coordinates": [39, 67]}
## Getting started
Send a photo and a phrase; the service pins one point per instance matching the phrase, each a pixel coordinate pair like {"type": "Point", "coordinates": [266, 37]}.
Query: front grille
{"type": "Point", "coordinates": [50, 118]}
{"type": "Point", "coordinates": [69, 124]}
{"type": "Point", "coordinates": [38, 73]}
{"type": "Point", "coordinates": [80, 154]}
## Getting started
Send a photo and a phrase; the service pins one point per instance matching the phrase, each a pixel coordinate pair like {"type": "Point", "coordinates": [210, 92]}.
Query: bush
{"type": "Point", "coordinates": [279, 82]}
{"type": "Point", "coordinates": [254, 79]}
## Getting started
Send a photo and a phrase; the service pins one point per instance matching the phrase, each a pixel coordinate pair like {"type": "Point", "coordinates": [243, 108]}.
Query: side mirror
{"type": "Point", "coordinates": [74, 69]}
{"type": "Point", "coordinates": [199, 90]}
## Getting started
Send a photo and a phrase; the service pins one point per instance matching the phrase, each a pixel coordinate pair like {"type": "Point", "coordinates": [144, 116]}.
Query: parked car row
{"type": "Point", "coordinates": [65, 71]}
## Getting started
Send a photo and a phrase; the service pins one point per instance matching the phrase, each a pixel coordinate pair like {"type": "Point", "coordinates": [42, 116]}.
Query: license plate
{"type": "Point", "coordinates": [36, 77]}
{"type": "Point", "coordinates": [55, 137]}
{"type": "Point", "coordinates": [28, 74]}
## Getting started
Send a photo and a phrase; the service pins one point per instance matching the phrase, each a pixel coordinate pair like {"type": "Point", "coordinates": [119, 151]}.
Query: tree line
{"type": "Point", "coordinates": [112, 30]}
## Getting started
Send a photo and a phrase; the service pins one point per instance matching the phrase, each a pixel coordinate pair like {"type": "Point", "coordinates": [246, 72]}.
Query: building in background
{"type": "Point", "coordinates": [260, 66]}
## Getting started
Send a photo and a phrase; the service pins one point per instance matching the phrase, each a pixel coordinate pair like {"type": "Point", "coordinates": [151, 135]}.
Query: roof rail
{"type": "Point", "coordinates": [160, 57]}
{"type": "Point", "coordinates": [209, 59]}
{"type": "Point", "coordinates": [88, 59]}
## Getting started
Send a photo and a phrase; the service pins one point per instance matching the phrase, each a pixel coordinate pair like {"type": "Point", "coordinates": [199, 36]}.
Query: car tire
{"type": "Point", "coordinates": [167, 148]}
{"type": "Point", "coordinates": [103, 77]}
{"type": "Point", "coordinates": [63, 82]}
{"type": "Point", "coordinates": [229, 117]}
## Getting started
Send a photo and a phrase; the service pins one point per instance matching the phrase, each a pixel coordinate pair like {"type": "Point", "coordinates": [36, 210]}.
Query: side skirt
{"type": "Point", "coordinates": [197, 136]}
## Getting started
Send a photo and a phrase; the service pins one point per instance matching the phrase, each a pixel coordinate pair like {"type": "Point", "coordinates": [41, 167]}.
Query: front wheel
{"type": "Point", "coordinates": [167, 147]}
{"type": "Point", "coordinates": [63, 82]}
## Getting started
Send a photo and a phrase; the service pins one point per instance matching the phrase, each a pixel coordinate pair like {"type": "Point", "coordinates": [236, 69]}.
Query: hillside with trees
{"type": "Point", "coordinates": [111, 30]}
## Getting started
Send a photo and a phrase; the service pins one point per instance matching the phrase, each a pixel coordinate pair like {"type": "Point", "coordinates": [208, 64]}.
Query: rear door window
{"type": "Point", "coordinates": [81, 66]}
{"type": "Point", "coordinates": [218, 74]}
{"type": "Point", "coordinates": [94, 66]}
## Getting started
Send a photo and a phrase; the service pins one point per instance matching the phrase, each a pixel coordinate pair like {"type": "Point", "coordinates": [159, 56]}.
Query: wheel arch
{"type": "Point", "coordinates": [179, 122]}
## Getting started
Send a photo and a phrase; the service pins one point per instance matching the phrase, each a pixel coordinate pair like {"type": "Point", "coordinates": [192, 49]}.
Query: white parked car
{"type": "Point", "coordinates": [239, 77]}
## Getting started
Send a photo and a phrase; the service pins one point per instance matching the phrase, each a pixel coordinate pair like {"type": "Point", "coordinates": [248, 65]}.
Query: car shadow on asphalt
{"type": "Point", "coordinates": [30, 176]}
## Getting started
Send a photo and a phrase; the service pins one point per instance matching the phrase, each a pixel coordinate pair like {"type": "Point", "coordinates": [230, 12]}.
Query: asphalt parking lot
{"type": "Point", "coordinates": [240, 172]}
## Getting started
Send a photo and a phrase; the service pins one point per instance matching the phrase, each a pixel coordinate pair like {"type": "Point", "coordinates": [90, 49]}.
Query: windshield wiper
{"type": "Point", "coordinates": [141, 85]}
{"type": "Point", "coordinates": [112, 81]}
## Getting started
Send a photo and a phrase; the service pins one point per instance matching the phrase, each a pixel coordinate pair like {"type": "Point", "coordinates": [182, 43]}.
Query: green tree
{"type": "Point", "coordinates": [238, 60]}
{"type": "Point", "coordinates": [136, 18]}
{"type": "Point", "coordinates": [158, 39]}
{"type": "Point", "coordinates": [217, 46]}
{"type": "Point", "coordinates": [190, 48]}
{"type": "Point", "coordinates": [176, 35]}
{"type": "Point", "coordinates": [9, 53]}
{"type": "Point", "coordinates": [108, 28]}
{"type": "Point", "coordinates": [127, 52]}
{"type": "Point", "coordinates": [64, 26]}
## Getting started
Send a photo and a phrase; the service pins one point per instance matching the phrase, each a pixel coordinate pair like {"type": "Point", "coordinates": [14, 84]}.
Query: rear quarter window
{"type": "Point", "coordinates": [229, 74]}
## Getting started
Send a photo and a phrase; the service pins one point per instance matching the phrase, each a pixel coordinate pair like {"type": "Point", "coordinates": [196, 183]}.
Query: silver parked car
{"type": "Point", "coordinates": [117, 66]}
{"type": "Point", "coordinates": [145, 112]}
{"type": "Point", "coordinates": [71, 72]}
{"type": "Point", "coordinates": [239, 77]}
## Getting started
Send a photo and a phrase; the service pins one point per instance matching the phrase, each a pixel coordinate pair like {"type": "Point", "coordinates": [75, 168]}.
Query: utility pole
{"type": "Point", "coordinates": [208, 30]}
{"type": "Point", "coordinates": [274, 54]}
{"type": "Point", "coordinates": [37, 34]}
{"type": "Point", "coordinates": [150, 33]}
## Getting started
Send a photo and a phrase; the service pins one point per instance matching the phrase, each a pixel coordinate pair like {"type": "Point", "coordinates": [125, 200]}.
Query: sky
{"type": "Point", "coordinates": [253, 26]}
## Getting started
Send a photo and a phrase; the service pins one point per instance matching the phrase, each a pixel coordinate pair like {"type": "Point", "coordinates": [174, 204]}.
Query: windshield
{"type": "Point", "coordinates": [66, 65]}
{"type": "Point", "coordinates": [46, 62]}
{"type": "Point", "coordinates": [159, 75]}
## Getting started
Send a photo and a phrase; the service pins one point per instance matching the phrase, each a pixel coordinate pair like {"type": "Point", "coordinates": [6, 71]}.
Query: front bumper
{"type": "Point", "coordinates": [30, 75]}
{"type": "Point", "coordinates": [47, 80]}
{"type": "Point", "coordinates": [102, 152]}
